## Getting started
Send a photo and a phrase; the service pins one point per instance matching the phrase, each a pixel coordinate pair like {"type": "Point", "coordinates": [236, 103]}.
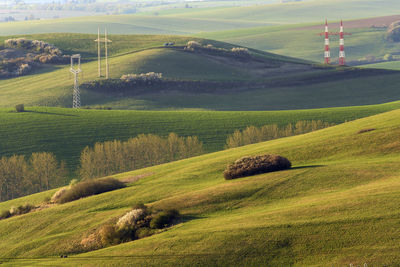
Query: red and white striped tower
{"type": "Point", "coordinates": [342, 55]}
{"type": "Point", "coordinates": [327, 54]}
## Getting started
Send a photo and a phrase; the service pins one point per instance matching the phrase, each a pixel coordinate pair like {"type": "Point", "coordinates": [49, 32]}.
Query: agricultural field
{"type": "Point", "coordinates": [204, 79]}
{"type": "Point", "coordinates": [367, 41]}
{"type": "Point", "coordinates": [48, 129]}
{"type": "Point", "coordinates": [394, 65]}
{"type": "Point", "coordinates": [338, 205]}
{"type": "Point", "coordinates": [189, 21]}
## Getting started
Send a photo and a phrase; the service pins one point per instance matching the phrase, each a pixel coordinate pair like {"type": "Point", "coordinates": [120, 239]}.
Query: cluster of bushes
{"type": "Point", "coordinates": [393, 32]}
{"type": "Point", "coordinates": [86, 188]}
{"type": "Point", "coordinates": [140, 222]}
{"type": "Point", "coordinates": [22, 209]}
{"type": "Point", "coordinates": [33, 46]}
{"type": "Point", "coordinates": [247, 166]}
{"type": "Point", "coordinates": [21, 176]}
{"type": "Point", "coordinates": [253, 134]}
{"type": "Point", "coordinates": [149, 77]}
{"type": "Point", "coordinates": [194, 46]}
{"type": "Point", "coordinates": [14, 67]}
{"type": "Point", "coordinates": [35, 53]}
{"type": "Point", "coordinates": [126, 83]}
{"type": "Point", "coordinates": [240, 50]}
{"type": "Point", "coordinates": [142, 151]}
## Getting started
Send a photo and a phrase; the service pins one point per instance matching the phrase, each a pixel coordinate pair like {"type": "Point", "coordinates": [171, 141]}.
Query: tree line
{"type": "Point", "coordinates": [21, 176]}
{"type": "Point", "coordinates": [112, 157]}
{"type": "Point", "coordinates": [253, 134]}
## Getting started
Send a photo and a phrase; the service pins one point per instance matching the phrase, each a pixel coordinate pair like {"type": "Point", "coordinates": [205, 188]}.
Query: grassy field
{"type": "Point", "coordinates": [309, 45]}
{"type": "Point", "coordinates": [49, 129]}
{"type": "Point", "coordinates": [298, 12]}
{"type": "Point", "coordinates": [192, 20]}
{"type": "Point", "coordinates": [125, 24]}
{"type": "Point", "coordinates": [337, 206]}
{"type": "Point", "coordinates": [394, 65]}
{"type": "Point", "coordinates": [266, 82]}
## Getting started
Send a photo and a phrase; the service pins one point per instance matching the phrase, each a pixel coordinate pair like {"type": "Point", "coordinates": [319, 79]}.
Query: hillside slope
{"type": "Point", "coordinates": [191, 20]}
{"type": "Point", "coordinates": [337, 206]}
{"type": "Point", "coordinates": [207, 78]}
{"type": "Point", "coordinates": [367, 39]}
{"type": "Point", "coordinates": [48, 129]}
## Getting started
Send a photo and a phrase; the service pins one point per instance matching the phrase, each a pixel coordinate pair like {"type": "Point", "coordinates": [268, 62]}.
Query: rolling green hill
{"type": "Point", "coordinates": [48, 129]}
{"type": "Point", "coordinates": [190, 21]}
{"type": "Point", "coordinates": [199, 80]}
{"type": "Point", "coordinates": [309, 45]}
{"type": "Point", "coordinates": [337, 206]}
{"type": "Point", "coordinates": [394, 65]}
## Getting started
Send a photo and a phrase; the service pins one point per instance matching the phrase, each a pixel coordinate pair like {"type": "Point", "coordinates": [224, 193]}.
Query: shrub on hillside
{"type": "Point", "coordinates": [22, 209]}
{"type": "Point", "coordinates": [135, 224]}
{"type": "Point", "coordinates": [143, 77]}
{"type": "Point", "coordinates": [20, 108]}
{"type": "Point", "coordinates": [57, 195]}
{"type": "Point", "coordinates": [240, 51]}
{"type": "Point", "coordinates": [191, 45]}
{"type": "Point", "coordinates": [32, 45]}
{"type": "Point", "coordinates": [247, 166]}
{"type": "Point", "coordinates": [164, 218]}
{"type": "Point", "coordinates": [89, 188]}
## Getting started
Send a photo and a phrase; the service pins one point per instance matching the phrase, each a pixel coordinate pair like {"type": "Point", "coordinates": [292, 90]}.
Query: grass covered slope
{"type": "Point", "coordinates": [203, 79]}
{"type": "Point", "coordinates": [365, 41]}
{"type": "Point", "coordinates": [140, 54]}
{"type": "Point", "coordinates": [125, 24]}
{"type": "Point", "coordinates": [49, 129]}
{"type": "Point", "coordinates": [338, 205]}
{"type": "Point", "coordinates": [195, 20]}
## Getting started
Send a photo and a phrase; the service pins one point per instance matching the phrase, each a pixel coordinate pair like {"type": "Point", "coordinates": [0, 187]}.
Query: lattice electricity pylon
{"type": "Point", "coordinates": [76, 69]}
{"type": "Point", "coordinates": [104, 40]}
{"type": "Point", "coordinates": [341, 35]}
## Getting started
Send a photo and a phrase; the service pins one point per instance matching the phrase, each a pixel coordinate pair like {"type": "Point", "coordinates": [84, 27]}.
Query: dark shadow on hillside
{"type": "Point", "coordinates": [51, 113]}
{"type": "Point", "coordinates": [186, 218]}
{"type": "Point", "coordinates": [306, 167]}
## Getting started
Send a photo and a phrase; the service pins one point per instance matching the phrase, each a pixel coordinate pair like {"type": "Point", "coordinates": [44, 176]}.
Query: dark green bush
{"type": "Point", "coordinates": [164, 219]}
{"type": "Point", "coordinates": [255, 165]}
{"type": "Point", "coordinates": [20, 108]}
{"type": "Point", "coordinates": [22, 209]}
{"type": "Point", "coordinates": [144, 232]}
{"type": "Point", "coordinates": [108, 235]}
{"type": "Point", "coordinates": [89, 188]}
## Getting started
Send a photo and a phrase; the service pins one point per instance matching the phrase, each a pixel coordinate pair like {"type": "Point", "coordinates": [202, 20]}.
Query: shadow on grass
{"type": "Point", "coordinates": [186, 218]}
{"type": "Point", "coordinates": [306, 167]}
{"type": "Point", "coordinates": [50, 113]}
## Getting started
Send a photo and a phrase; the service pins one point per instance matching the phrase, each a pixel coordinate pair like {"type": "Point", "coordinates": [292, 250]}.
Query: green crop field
{"type": "Point", "coordinates": [190, 21]}
{"type": "Point", "coordinates": [230, 83]}
{"type": "Point", "coordinates": [337, 206]}
{"type": "Point", "coordinates": [394, 65]}
{"type": "Point", "coordinates": [49, 129]}
{"type": "Point", "coordinates": [363, 43]}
